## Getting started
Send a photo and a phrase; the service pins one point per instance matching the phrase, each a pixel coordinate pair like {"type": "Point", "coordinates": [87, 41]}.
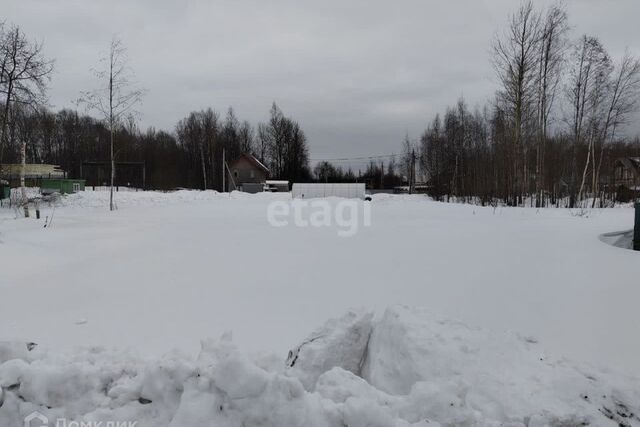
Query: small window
{"type": "Point", "coordinates": [253, 173]}
{"type": "Point", "coordinates": [235, 173]}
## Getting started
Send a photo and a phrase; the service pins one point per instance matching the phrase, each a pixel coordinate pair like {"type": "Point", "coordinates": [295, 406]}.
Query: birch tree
{"type": "Point", "coordinates": [622, 101]}
{"type": "Point", "coordinates": [552, 49]}
{"type": "Point", "coordinates": [589, 74]}
{"type": "Point", "coordinates": [115, 97]}
{"type": "Point", "coordinates": [515, 59]}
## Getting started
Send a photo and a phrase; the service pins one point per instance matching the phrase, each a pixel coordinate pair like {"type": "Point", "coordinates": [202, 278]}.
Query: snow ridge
{"type": "Point", "coordinates": [408, 368]}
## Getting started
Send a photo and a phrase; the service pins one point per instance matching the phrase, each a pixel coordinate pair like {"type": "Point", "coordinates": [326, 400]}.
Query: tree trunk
{"type": "Point", "coordinates": [584, 172]}
{"type": "Point", "coordinates": [5, 121]}
{"type": "Point", "coordinates": [113, 172]}
{"type": "Point", "coordinates": [23, 189]}
{"type": "Point", "coordinates": [204, 168]}
{"type": "Point", "coordinates": [594, 177]}
{"type": "Point", "coordinates": [111, 123]}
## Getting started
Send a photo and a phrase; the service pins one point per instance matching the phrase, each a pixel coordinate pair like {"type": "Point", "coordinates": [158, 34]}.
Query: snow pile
{"type": "Point", "coordinates": [468, 376]}
{"type": "Point", "coordinates": [406, 369]}
{"type": "Point", "coordinates": [100, 199]}
{"type": "Point", "coordinates": [620, 239]}
{"type": "Point", "coordinates": [339, 343]}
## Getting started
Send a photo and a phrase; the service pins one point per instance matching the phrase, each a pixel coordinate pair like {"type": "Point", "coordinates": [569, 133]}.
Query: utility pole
{"type": "Point", "coordinates": [636, 229]}
{"type": "Point", "coordinates": [224, 171]}
{"type": "Point", "coordinates": [412, 172]}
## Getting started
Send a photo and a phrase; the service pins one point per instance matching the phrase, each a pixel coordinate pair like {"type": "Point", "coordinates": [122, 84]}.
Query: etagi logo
{"type": "Point", "coordinates": [36, 419]}
{"type": "Point", "coordinates": [348, 215]}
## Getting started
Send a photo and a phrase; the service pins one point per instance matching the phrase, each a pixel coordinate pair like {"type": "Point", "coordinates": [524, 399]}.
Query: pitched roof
{"type": "Point", "coordinates": [631, 163]}
{"type": "Point", "coordinates": [251, 159]}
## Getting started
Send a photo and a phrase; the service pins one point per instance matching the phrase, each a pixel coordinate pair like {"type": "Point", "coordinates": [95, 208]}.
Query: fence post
{"type": "Point", "coordinates": [636, 232]}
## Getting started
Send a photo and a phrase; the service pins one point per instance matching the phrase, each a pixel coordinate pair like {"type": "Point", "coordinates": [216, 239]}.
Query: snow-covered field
{"type": "Point", "coordinates": [166, 271]}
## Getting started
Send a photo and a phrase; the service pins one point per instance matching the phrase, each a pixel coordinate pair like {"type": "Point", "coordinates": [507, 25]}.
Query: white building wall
{"type": "Point", "coordinates": [313, 191]}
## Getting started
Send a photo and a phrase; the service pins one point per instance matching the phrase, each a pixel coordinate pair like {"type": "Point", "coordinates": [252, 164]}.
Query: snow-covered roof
{"type": "Point", "coordinates": [258, 162]}
{"type": "Point", "coordinates": [32, 170]}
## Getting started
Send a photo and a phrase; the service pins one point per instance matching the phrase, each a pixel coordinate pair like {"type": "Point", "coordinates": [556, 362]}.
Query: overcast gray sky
{"type": "Point", "coordinates": [356, 74]}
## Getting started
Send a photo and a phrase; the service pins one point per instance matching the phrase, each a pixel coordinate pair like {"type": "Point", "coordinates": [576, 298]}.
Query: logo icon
{"type": "Point", "coordinates": [36, 419]}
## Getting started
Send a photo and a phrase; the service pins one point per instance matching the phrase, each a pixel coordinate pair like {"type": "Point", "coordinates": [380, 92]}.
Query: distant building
{"type": "Point", "coordinates": [62, 186]}
{"type": "Point", "coordinates": [273, 186]}
{"type": "Point", "coordinates": [248, 174]}
{"type": "Point", "coordinates": [32, 172]}
{"type": "Point", "coordinates": [50, 179]}
{"type": "Point", "coordinates": [322, 190]}
{"type": "Point", "coordinates": [627, 172]}
{"type": "Point", "coordinates": [128, 174]}
{"type": "Point", "coordinates": [626, 177]}
{"type": "Point", "coordinates": [5, 190]}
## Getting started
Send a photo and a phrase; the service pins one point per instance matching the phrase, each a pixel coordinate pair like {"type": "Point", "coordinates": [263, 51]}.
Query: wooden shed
{"type": "Point", "coordinates": [62, 186]}
{"type": "Point", "coordinates": [248, 174]}
{"type": "Point", "coordinates": [5, 190]}
{"type": "Point", "coordinates": [626, 175]}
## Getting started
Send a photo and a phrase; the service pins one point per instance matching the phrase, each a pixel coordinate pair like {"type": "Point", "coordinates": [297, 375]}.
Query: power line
{"type": "Point", "coordinates": [347, 159]}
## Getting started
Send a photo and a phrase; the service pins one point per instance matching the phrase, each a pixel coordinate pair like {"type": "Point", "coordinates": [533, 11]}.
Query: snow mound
{"type": "Point", "coordinates": [490, 378]}
{"type": "Point", "coordinates": [406, 369]}
{"type": "Point", "coordinates": [619, 239]}
{"type": "Point", "coordinates": [130, 198]}
{"type": "Point", "coordinates": [339, 343]}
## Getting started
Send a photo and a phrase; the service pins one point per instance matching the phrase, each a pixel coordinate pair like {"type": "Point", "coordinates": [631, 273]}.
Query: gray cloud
{"type": "Point", "coordinates": [358, 75]}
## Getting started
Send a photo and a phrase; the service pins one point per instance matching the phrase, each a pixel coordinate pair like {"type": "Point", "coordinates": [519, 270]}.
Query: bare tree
{"type": "Point", "coordinates": [515, 59]}
{"type": "Point", "coordinates": [589, 76]}
{"type": "Point", "coordinates": [247, 137]}
{"type": "Point", "coordinates": [115, 98]}
{"type": "Point", "coordinates": [24, 75]}
{"type": "Point", "coordinates": [623, 97]}
{"type": "Point", "coordinates": [408, 152]}
{"type": "Point", "coordinates": [209, 122]}
{"type": "Point", "coordinates": [282, 143]}
{"type": "Point", "coordinates": [552, 49]}
{"type": "Point", "coordinates": [191, 132]}
{"type": "Point", "coordinates": [263, 141]}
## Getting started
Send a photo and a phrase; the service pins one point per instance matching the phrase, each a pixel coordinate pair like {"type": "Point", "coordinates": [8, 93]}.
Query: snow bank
{"type": "Point", "coordinates": [419, 371]}
{"type": "Point", "coordinates": [619, 239]}
{"type": "Point", "coordinates": [339, 343]}
{"type": "Point", "coordinates": [100, 199]}
{"type": "Point", "coordinates": [490, 378]}
{"type": "Point", "coordinates": [127, 197]}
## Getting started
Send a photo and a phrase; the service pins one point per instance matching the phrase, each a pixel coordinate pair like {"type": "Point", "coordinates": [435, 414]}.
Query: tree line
{"type": "Point", "coordinates": [549, 136]}
{"type": "Point", "coordinates": [191, 156]}
{"type": "Point", "coordinates": [554, 128]}
{"type": "Point", "coordinates": [279, 143]}
{"type": "Point", "coordinates": [551, 132]}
